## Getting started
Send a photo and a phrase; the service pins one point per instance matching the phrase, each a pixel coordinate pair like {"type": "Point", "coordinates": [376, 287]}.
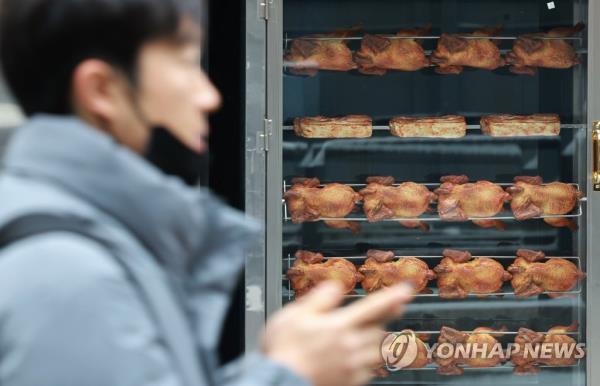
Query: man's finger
{"type": "Point", "coordinates": [378, 307]}
{"type": "Point", "coordinates": [369, 357]}
{"type": "Point", "coordinates": [369, 352]}
{"type": "Point", "coordinates": [324, 297]}
{"type": "Point", "coordinates": [363, 377]}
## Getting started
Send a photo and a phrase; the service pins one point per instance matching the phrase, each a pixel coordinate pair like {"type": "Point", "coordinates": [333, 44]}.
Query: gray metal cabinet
{"type": "Point", "coordinates": [275, 155]}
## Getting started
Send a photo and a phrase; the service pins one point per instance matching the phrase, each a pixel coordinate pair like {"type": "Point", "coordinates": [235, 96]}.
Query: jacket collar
{"type": "Point", "coordinates": [178, 223]}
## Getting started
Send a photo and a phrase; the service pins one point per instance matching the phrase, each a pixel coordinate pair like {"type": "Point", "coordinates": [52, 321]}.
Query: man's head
{"type": "Point", "coordinates": [124, 66]}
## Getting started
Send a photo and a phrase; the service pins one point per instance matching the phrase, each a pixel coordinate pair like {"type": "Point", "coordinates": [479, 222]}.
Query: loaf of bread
{"type": "Point", "coordinates": [350, 126]}
{"type": "Point", "coordinates": [448, 126]}
{"type": "Point", "coordinates": [505, 125]}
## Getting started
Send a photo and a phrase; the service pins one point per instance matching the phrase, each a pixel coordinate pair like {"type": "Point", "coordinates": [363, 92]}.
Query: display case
{"type": "Point", "coordinates": [443, 99]}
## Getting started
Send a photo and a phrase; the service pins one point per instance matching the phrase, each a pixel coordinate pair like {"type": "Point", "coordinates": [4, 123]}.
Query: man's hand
{"type": "Point", "coordinates": [331, 345]}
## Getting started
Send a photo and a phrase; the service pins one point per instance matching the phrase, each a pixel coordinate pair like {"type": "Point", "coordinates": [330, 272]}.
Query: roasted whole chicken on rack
{"type": "Point", "coordinates": [391, 352]}
{"type": "Point", "coordinates": [530, 198]}
{"type": "Point", "coordinates": [307, 201]}
{"type": "Point", "coordinates": [383, 200]}
{"type": "Point", "coordinates": [526, 363]}
{"type": "Point", "coordinates": [454, 52]}
{"type": "Point", "coordinates": [307, 56]}
{"type": "Point", "coordinates": [459, 274]}
{"type": "Point", "coordinates": [531, 51]}
{"type": "Point", "coordinates": [379, 53]}
{"type": "Point", "coordinates": [309, 270]}
{"type": "Point", "coordinates": [459, 200]}
{"type": "Point", "coordinates": [531, 277]}
{"type": "Point", "coordinates": [380, 270]}
{"type": "Point", "coordinates": [482, 338]}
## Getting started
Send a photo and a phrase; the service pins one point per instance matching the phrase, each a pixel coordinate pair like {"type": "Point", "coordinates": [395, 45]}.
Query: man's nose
{"type": "Point", "coordinates": [208, 97]}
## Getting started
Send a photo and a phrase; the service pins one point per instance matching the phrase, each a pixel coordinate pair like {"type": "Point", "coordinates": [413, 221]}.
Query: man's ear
{"type": "Point", "coordinates": [94, 90]}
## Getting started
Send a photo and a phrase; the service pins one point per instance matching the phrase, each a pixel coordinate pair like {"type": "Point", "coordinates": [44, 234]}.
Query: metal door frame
{"type": "Point", "coordinates": [275, 156]}
{"type": "Point", "coordinates": [593, 202]}
{"type": "Point", "coordinates": [264, 263]}
{"type": "Point", "coordinates": [255, 169]}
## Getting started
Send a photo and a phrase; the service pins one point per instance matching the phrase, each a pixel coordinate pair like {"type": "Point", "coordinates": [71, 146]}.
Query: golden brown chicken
{"type": "Point", "coordinates": [478, 348]}
{"type": "Point", "coordinates": [530, 277]}
{"type": "Point", "coordinates": [531, 199]}
{"type": "Point", "coordinates": [379, 53]}
{"type": "Point", "coordinates": [561, 349]}
{"type": "Point", "coordinates": [380, 270]}
{"type": "Point", "coordinates": [460, 275]}
{"type": "Point", "coordinates": [459, 200]}
{"type": "Point", "coordinates": [309, 270]}
{"type": "Point", "coordinates": [383, 200]}
{"type": "Point", "coordinates": [308, 55]}
{"type": "Point", "coordinates": [532, 51]}
{"type": "Point", "coordinates": [391, 353]}
{"type": "Point", "coordinates": [423, 358]}
{"type": "Point", "coordinates": [454, 52]}
{"type": "Point", "coordinates": [307, 202]}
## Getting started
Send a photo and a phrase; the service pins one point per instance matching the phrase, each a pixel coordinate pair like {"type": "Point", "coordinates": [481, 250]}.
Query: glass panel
{"type": "Point", "coordinates": [473, 93]}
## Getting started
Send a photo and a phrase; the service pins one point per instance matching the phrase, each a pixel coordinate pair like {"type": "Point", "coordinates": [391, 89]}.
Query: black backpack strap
{"type": "Point", "coordinates": [39, 223]}
{"type": "Point", "coordinates": [148, 280]}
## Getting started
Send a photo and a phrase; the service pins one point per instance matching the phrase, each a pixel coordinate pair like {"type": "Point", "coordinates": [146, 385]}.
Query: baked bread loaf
{"type": "Point", "coordinates": [350, 126]}
{"type": "Point", "coordinates": [448, 126]}
{"type": "Point", "coordinates": [505, 125]}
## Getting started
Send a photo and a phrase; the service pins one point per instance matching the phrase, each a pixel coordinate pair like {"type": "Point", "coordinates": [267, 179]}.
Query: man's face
{"type": "Point", "coordinates": [173, 91]}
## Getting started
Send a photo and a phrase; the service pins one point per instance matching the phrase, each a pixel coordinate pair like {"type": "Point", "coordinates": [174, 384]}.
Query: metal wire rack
{"type": "Point", "coordinates": [307, 65]}
{"type": "Point", "coordinates": [287, 39]}
{"type": "Point", "coordinates": [430, 217]}
{"type": "Point", "coordinates": [499, 332]}
{"type": "Point", "coordinates": [500, 367]}
{"type": "Point", "coordinates": [574, 126]}
{"type": "Point", "coordinates": [433, 292]}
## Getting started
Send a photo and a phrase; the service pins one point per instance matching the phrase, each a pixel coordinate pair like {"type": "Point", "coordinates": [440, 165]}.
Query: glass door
{"type": "Point", "coordinates": [443, 143]}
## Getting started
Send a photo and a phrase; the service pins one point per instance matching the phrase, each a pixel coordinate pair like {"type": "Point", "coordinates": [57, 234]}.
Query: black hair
{"type": "Point", "coordinates": [43, 41]}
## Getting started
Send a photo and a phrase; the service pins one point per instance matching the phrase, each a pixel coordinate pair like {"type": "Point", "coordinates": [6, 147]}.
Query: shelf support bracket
{"type": "Point", "coordinates": [266, 135]}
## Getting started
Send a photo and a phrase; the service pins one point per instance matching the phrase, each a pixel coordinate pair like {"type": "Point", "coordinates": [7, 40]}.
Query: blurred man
{"type": "Point", "coordinates": [125, 274]}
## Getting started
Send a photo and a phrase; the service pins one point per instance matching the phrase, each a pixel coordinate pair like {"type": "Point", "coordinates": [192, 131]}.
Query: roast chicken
{"type": "Point", "coordinates": [307, 56]}
{"type": "Point", "coordinates": [307, 201]}
{"type": "Point", "coordinates": [527, 341]}
{"type": "Point", "coordinates": [459, 200]}
{"type": "Point", "coordinates": [454, 52]}
{"type": "Point", "coordinates": [459, 275]}
{"type": "Point", "coordinates": [309, 270]}
{"type": "Point", "coordinates": [481, 338]}
{"type": "Point", "coordinates": [383, 200]}
{"type": "Point", "coordinates": [531, 51]}
{"type": "Point", "coordinates": [380, 270]}
{"type": "Point", "coordinates": [532, 277]}
{"type": "Point", "coordinates": [532, 199]}
{"type": "Point", "coordinates": [392, 352]}
{"type": "Point", "coordinates": [378, 53]}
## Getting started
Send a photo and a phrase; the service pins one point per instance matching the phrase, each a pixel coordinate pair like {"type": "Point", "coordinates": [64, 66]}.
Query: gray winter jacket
{"type": "Point", "coordinates": [69, 313]}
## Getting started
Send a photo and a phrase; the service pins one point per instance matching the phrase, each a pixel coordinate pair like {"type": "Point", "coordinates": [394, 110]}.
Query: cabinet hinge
{"type": "Point", "coordinates": [264, 8]}
{"type": "Point", "coordinates": [266, 135]}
